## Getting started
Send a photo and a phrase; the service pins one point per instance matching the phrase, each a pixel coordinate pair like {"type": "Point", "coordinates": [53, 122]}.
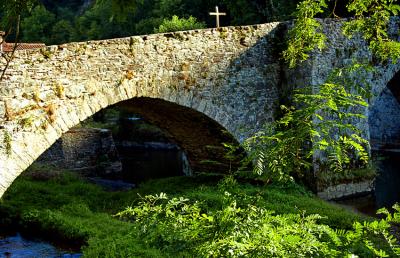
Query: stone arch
{"type": "Point", "coordinates": [384, 75]}
{"type": "Point", "coordinates": [27, 144]}
{"type": "Point", "coordinates": [384, 109]}
{"type": "Point", "coordinates": [229, 74]}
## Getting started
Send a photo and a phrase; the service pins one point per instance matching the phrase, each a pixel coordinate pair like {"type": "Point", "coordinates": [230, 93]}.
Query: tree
{"type": "Point", "coordinates": [99, 22]}
{"type": "Point", "coordinates": [12, 11]}
{"type": "Point", "coordinates": [35, 28]}
{"type": "Point", "coordinates": [61, 32]}
{"type": "Point", "coordinates": [320, 119]}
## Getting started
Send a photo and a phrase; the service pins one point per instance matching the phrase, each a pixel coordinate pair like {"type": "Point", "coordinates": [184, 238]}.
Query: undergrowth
{"type": "Point", "coordinates": [187, 217]}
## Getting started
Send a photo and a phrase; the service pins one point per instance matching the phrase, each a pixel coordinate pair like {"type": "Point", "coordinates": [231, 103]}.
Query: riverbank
{"type": "Point", "coordinates": [70, 210]}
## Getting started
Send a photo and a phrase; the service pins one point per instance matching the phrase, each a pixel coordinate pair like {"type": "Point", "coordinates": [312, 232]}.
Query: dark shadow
{"type": "Point", "coordinates": [198, 135]}
{"type": "Point", "coordinates": [384, 123]}
{"type": "Point", "coordinates": [384, 117]}
{"type": "Point", "coordinates": [141, 139]}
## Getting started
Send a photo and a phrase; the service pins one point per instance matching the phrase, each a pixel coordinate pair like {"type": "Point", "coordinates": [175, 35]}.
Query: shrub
{"type": "Point", "coordinates": [241, 229]}
{"type": "Point", "coordinates": [179, 24]}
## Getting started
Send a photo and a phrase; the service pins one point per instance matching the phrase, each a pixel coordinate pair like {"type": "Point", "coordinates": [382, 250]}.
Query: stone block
{"type": "Point", "coordinates": [2, 110]}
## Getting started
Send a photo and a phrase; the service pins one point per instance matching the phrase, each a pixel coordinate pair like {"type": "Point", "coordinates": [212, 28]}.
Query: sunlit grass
{"type": "Point", "coordinates": [67, 208]}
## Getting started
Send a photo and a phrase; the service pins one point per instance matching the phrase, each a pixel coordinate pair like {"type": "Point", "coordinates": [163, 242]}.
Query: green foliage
{"type": "Point", "coordinates": [27, 122]}
{"type": "Point", "coordinates": [179, 24]}
{"type": "Point", "coordinates": [75, 21]}
{"type": "Point", "coordinates": [393, 218]}
{"type": "Point", "coordinates": [7, 142]}
{"type": "Point", "coordinates": [37, 26]}
{"type": "Point", "coordinates": [62, 32]}
{"type": "Point", "coordinates": [122, 7]}
{"type": "Point", "coordinates": [327, 178]}
{"type": "Point", "coordinates": [12, 11]}
{"type": "Point", "coordinates": [319, 125]}
{"type": "Point", "coordinates": [304, 36]}
{"type": "Point", "coordinates": [275, 10]}
{"type": "Point", "coordinates": [232, 231]}
{"type": "Point", "coordinates": [60, 204]}
{"type": "Point", "coordinates": [240, 229]}
{"type": "Point", "coordinates": [98, 23]}
{"type": "Point", "coordinates": [371, 21]}
{"type": "Point", "coordinates": [243, 11]}
{"type": "Point", "coordinates": [372, 239]}
{"type": "Point", "coordinates": [321, 129]}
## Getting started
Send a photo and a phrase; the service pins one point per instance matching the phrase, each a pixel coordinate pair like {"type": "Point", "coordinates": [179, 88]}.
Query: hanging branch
{"type": "Point", "coordinates": [334, 10]}
{"type": "Point", "coordinates": [9, 57]}
{"type": "Point", "coordinates": [13, 12]}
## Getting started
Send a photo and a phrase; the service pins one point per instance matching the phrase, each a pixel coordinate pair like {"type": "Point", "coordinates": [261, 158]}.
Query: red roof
{"type": "Point", "coordinates": [8, 47]}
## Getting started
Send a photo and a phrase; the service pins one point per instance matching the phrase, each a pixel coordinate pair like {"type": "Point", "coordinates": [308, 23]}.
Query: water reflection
{"type": "Point", "coordinates": [387, 183]}
{"type": "Point", "coordinates": [142, 162]}
{"type": "Point", "coordinates": [17, 246]}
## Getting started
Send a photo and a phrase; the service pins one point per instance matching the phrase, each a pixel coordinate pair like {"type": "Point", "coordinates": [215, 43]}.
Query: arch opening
{"type": "Point", "coordinates": [384, 126]}
{"type": "Point", "coordinates": [140, 139]}
{"type": "Point", "coordinates": [384, 116]}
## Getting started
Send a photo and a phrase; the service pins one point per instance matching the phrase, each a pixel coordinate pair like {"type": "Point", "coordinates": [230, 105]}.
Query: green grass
{"type": "Point", "coordinates": [71, 210]}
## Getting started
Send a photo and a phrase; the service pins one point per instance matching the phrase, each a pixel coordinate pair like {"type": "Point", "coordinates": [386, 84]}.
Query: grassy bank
{"type": "Point", "coordinates": [71, 210]}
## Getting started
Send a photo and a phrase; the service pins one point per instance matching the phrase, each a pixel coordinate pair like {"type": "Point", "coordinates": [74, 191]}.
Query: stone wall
{"type": "Point", "coordinates": [346, 190]}
{"type": "Point", "coordinates": [341, 51]}
{"type": "Point", "coordinates": [232, 75]}
{"type": "Point", "coordinates": [384, 120]}
{"type": "Point", "coordinates": [91, 152]}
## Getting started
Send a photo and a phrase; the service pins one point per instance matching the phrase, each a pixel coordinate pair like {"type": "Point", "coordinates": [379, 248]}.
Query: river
{"type": "Point", "coordinates": [19, 247]}
{"type": "Point", "coordinates": [387, 185]}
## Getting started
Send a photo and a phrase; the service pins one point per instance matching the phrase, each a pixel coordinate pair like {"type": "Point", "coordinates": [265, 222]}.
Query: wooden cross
{"type": "Point", "coordinates": [217, 15]}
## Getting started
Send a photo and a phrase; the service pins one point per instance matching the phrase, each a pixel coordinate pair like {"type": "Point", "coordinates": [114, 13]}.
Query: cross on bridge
{"type": "Point", "coordinates": [217, 14]}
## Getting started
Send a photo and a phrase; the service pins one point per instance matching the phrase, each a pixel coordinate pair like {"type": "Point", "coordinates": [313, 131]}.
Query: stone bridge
{"type": "Point", "coordinates": [232, 75]}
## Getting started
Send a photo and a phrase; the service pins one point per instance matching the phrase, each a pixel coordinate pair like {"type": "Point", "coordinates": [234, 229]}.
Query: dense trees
{"type": "Point", "coordinates": [58, 21]}
{"type": "Point", "coordinates": [55, 22]}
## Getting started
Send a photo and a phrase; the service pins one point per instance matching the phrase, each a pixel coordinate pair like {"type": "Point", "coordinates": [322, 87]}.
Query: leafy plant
{"type": "Point", "coordinates": [318, 128]}
{"type": "Point", "coordinates": [327, 178]}
{"type": "Point", "coordinates": [58, 203]}
{"type": "Point", "coordinates": [240, 228]}
{"type": "Point", "coordinates": [179, 24]}
{"type": "Point", "coordinates": [304, 36]}
{"type": "Point", "coordinates": [371, 21]}
{"type": "Point", "coordinates": [7, 142]}
{"type": "Point", "coordinates": [321, 129]}
{"type": "Point", "coordinates": [27, 122]}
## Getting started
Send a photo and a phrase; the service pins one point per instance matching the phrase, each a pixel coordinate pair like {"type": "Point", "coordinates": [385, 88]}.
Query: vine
{"type": "Point", "coordinates": [317, 130]}
{"type": "Point", "coordinates": [304, 36]}
{"type": "Point", "coordinates": [371, 21]}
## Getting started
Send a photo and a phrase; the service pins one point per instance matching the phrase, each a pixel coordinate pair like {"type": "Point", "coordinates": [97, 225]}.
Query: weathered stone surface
{"type": "Point", "coordinates": [384, 117]}
{"type": "Point", "coordinates": [91, 152]}
{"type": "Point", "coordinates": [345, 190]}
